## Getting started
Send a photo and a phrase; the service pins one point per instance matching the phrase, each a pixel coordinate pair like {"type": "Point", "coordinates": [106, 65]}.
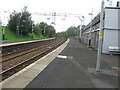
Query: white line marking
{"type": "Point", "coordinates": [61, 56]}
{"type": "Point", "coordinates": [65, 57]}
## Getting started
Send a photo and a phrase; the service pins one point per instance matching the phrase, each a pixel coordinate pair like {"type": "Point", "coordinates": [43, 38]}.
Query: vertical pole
{"type": "Point", "coordinates": [32, 30]}
{"type": "Point", "coordinates": [44, 30]}
{"type": "Point", "coordinates": [76, 33]}
{"type": "Point", "coordinates": [21, 31]}
{"type": "Point", "coordinates": [100, 38]}
{"type": "Point", "coordinates": [18, 30]}
{"type": "Point", "coordinates": [90, 37]}
{"type": "Point", "coordinates": [80, 29]}
{"type": "Point", "coordinates": [54, 16]}
{"type": "Point", "coordinates": [3, 33]}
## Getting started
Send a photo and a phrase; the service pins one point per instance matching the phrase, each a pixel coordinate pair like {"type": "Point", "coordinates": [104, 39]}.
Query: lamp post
{"type": "Point", "coordinates": [23, 25]}
{"type": "Point", "coordinates": [3, 34]}
{"type": "Point", "coordinates": [3, 25]}
{"type": "Point", "coordinates": [17, 30]}
{"type": "Point", "coordinates": [44, 30]}
{"type": "Point", "coordinates": [81, 27]}
{"type": "Point", "coordinates": [18, 26]}
{"type": "Point", "coordinates": [75, 33]}
{"type": "Point", "coordinates": [90, 35]}
{"type": "Point", "coordinates": [32, 29]}
{"type": "Point", "coordinates": [100, 38]}
{"type": "Point", "coordinates": [21, 30]}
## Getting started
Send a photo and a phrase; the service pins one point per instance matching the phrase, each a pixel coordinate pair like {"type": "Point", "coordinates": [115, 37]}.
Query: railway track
{"type": "Point", "coordinates": [17, 61]}
{"type": "Point", "coordinates": [10, 48]}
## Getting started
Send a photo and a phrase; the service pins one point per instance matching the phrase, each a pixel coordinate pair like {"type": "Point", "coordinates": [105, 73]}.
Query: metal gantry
{"type": "Point", "coordinates": [54, 14]}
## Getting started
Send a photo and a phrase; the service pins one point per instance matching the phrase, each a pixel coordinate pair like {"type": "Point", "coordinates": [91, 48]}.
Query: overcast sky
{"type": "Point", "coordinates": [82, 7]}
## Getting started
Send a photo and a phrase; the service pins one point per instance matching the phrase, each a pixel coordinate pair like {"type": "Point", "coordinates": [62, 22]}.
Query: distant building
{"type": "Point", "coordinates": [111, 30]}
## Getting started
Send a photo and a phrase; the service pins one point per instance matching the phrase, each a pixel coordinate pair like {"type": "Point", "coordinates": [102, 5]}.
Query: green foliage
{"type": "Point", "coordinates": [71, 31]}
{"type": "Point", "coordinates": [20, 22]}
{"type": "Point", "coordinates": [43, 27]}
{"type": "Point", "coordinates": [25, 22]}
{"type": "Point", "coordinates": [47, 30]}
{"type": "Point", "coordinates": [36, 36]}
{"type": "Point", "coordinates": [37, 29]}
{"type": "Point", "coordinates": [62, 34]}
{"type": "Point", "coordinates": [0, 33]}
{"type": "Point", "coordinates": [11, 35]}
{"type": "Point", "coordinates": [14, 20]}
{"type": "Point", "coordinates": [50, 31]}
{"type": "Point", "coordinates": [21, 26]}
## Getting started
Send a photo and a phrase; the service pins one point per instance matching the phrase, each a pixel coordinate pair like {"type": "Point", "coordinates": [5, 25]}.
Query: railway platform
{"type": "Point", "coordinates": [72, 65]}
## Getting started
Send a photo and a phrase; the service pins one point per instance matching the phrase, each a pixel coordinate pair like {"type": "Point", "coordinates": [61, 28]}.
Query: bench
{"type": "Point", "coordinates": [114, 50]}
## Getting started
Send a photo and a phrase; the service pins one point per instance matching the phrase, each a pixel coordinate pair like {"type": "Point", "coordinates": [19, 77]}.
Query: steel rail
{"type": "Point", "coordinates": [29, 59]}
{"type": "Point", "coordinates": [4, 59]}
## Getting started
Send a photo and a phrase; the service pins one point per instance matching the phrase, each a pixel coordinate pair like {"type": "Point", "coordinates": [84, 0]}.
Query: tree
{"type": "Point", "coordinates": [14, 21]}
{"type": "Point", "coordinates": [21, 23]}
{"type": "Point", "coordinates": [43, 27]}
{"type": "Point", "coordinates": [62, 34]}
{"type": "Point", "coordinates": [47, 30]}
{"type": "Point", "coordinates": [25, 22]}
{"type": "Point", "coordinates": [50, 31]}
{"type": "Point", "coordinates": [37, 29]}
{"type": "Point", "coordinates": [71, 31]}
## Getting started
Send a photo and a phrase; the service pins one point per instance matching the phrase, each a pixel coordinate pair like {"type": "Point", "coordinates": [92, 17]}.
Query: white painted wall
{"type": "Point", "coordinates": [110, 36]}
{"type": "Point", "coordinates": [110, 39]}
{"type": "Point", "coordinates": [111, 18]}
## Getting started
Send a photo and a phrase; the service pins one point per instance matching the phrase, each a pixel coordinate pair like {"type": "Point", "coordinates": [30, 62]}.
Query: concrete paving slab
{"type": "Point", "coordinates": [99, 80]}
{"type": "Point", "coordinates": [46, 60]}
{"type": "Point", "coordinates": [30, 73]}
{"type": "Point", "coordinates": [18, 82]}
{"type": "Point", "coordinates": [99, 84]}
{"type": "Point", "coordinates": [102, 71]}
{"type": "Point", "coordinates": [39, 67]}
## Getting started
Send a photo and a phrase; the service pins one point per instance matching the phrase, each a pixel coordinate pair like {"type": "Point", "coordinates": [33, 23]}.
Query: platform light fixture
{"type": "Point", "coordinates": [32, 28]}
{"type": "Point", "coordinates": [90, 37]}
{"type": "Point", "coordinates": [3, 25]}
{"type": "Point", "coordinates": [81, 27]}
